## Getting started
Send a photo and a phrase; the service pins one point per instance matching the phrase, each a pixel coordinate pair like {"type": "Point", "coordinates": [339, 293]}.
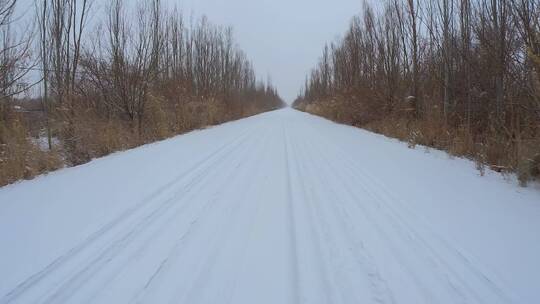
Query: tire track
{"type": "Point", "coordinates": [292, 217]}
{"type": "Point", "coordinates": [200, 168]}
{"type": "Point", "coordinates": [361, 257]}
{"type": "Point", "coordinates": [77, 281]}
{"type": "Point", "coordinates": [308, 235]}
{"type": "Point", "coordinates": [453, 280]}
{"type": "Point", "coordinates": [226, 227]}
{"type": "Point", "coordinates": [193, 222]}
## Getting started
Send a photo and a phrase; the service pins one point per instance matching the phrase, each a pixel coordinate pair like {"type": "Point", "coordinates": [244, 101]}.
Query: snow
{"type": "Point", "coordinates": [283, 207]}
{"type": "Point", "coordinates": [42, 142]}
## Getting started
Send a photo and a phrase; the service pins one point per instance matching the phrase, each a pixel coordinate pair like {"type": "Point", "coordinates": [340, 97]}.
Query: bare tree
{"type": "Point", "coordinates": [474, 65]}
{"type": "Point", "coordinates": [14, 52]}
{"type": "Point", "coordinates": [44, 46]}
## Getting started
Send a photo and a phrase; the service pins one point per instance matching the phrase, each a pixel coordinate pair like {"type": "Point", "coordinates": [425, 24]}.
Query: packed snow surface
{"type": "Point", "coordinates": [282, 207]}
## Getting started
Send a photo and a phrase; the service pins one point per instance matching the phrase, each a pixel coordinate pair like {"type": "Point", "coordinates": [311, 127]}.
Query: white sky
{"type": "Point", "coordinates": [283, 38]}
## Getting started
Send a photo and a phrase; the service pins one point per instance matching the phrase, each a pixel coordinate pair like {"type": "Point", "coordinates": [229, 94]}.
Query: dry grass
{"type": "Point", "coordinates": [491, 148]}
{"type": "Point", "coordinates": [90, 135]}
{"type": "Point", "coordinates": [20, 156]}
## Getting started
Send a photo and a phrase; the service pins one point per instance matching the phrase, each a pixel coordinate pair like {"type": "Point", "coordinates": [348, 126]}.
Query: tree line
{"type": "Point", "coordinates": [143, 73]}
{"type": "Point", "coordinates": [459, 75]}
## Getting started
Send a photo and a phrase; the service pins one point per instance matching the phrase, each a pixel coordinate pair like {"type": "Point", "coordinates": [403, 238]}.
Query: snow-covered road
{"type": "Point", "coordinates": [283, 207]}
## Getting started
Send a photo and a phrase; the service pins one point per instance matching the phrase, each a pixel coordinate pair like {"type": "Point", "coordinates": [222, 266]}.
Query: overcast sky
{"type": "Point", "coordinates": [283, 38]}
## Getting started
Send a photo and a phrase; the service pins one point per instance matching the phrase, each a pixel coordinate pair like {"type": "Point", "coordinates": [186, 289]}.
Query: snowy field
{"type": "Point", "coordinates": [283, 207]}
